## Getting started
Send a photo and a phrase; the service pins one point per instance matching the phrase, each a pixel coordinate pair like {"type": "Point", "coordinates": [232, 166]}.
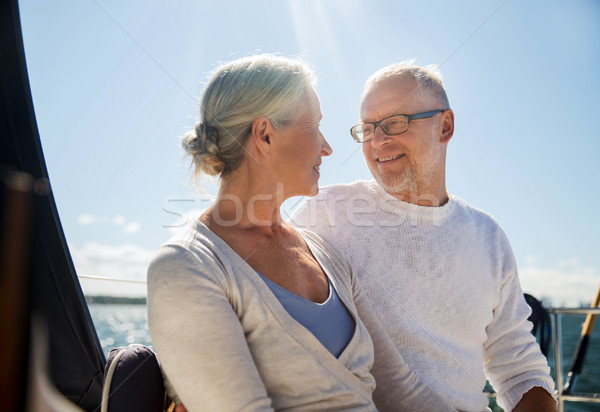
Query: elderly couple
{"type": "Point", "coordinates": [411, 306]}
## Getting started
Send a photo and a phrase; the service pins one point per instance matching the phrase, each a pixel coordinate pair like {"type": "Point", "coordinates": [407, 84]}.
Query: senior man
{"type": "Point", "coordinates": [439, 273]}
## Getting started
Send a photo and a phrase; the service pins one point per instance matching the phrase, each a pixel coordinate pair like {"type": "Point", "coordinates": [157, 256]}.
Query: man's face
{"type": "Point", "coordinates": [411, 163]}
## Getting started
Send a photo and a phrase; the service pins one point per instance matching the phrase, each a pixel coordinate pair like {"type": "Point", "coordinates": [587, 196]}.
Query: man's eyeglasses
{"type": "Point", "coordinates": [391, 125]}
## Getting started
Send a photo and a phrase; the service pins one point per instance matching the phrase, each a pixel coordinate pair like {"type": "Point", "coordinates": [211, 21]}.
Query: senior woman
{"type": "Point", "coordinates": [245, 312]}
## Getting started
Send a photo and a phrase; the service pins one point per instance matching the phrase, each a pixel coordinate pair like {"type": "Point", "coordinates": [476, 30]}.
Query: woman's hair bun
{"type": "Point", "coordinates": [202, 145]}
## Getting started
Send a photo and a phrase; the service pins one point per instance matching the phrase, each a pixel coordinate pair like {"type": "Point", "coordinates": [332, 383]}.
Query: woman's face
{"type": "Point", "coordinates": [298, 150]}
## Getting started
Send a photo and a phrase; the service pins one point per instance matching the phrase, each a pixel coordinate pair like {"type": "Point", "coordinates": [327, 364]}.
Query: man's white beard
{"type": "Point", "coordinates": [405, 182]}
{"type": "Point", "coordinates": [411, 180]}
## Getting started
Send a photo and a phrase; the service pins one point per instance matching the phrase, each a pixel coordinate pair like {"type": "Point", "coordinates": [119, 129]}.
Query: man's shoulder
{"type": "Point", "coordinates": [337, 195]}
{"type": "Point", "coordinates": [479, 216]}
{"type": "Point", "coordinates": [357, 186]}
{"type": "Point", "coordinates": [316, 213]}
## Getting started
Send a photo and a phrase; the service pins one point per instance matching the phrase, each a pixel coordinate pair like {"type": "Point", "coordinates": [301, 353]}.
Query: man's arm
{"type": "Point", "coordinates": [538, 400]}
{"type": "Point", "coordinates": [514, 363]}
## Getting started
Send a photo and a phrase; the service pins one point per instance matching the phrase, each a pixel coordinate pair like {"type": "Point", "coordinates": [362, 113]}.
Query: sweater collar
{"type": "Point", "coordinates": [416, 213]}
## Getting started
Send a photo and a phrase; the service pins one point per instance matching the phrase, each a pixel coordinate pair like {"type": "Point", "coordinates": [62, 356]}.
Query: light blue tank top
{"type": "Point", "coordinates": [329, 321]}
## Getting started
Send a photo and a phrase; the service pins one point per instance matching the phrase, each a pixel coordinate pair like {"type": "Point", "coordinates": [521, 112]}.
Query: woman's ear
{"type": "Point", "coordinates": [259, 135]}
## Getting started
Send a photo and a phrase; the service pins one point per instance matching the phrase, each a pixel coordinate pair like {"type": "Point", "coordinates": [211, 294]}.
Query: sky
{"type": "Point", "coordinates": [116, 84]}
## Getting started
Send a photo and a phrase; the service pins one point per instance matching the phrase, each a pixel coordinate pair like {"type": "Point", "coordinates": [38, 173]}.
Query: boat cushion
{"type": "Point", "coordinates": [133, 381]}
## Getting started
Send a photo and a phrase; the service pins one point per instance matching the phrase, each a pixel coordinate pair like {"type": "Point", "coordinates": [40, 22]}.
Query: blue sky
{"type": "Point", "coordinates": [115, 85]}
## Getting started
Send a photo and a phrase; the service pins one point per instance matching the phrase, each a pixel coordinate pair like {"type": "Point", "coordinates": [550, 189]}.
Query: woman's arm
{"type": "Point", "coordinates": [398, 388]}
{"type": "Point", "coordinates": [198, 336]}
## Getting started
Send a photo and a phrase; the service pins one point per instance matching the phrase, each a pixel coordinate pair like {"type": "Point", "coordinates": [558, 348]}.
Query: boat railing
{"type": "Point", "coordinates": [112, 279]}
{"type": "Point", "coordinates": [562, 396]}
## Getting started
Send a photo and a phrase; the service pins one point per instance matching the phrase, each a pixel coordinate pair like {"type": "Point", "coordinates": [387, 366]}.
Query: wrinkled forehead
{"type": "Point", "coordinates": [395, 95]}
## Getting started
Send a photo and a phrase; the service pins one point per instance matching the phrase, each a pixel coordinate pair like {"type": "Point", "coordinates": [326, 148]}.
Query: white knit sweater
{"type": "Point", "coordinates": [444, 284]}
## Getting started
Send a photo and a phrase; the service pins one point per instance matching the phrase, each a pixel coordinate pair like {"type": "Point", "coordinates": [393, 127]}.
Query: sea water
{"type": "Point", "coordinates": [120, 325]}
{"type": "Point", "coordinates": [123, 324]}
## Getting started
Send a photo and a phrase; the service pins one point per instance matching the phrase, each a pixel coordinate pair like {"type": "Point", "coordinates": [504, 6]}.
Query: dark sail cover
{"type": "Point", "coordinates": [53, 292]}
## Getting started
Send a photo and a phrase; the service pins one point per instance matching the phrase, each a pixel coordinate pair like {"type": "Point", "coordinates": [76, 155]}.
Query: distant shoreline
{"type": "Point", "coordinates": [115, 300]}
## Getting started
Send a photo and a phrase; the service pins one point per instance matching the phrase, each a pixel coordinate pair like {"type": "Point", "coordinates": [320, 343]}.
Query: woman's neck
{"type": "Point", "coordinates": [243, 203]}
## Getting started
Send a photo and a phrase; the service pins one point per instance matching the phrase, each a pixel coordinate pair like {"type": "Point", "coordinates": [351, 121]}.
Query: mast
{"type": "Point", "coordinates": [52, 291]}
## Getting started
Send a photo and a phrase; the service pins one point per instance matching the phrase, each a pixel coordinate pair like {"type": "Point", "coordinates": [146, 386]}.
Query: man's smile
{"type": "Point", "coordinates": [389, 158]}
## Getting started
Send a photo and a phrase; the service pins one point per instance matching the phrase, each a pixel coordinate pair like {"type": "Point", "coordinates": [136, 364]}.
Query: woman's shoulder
{"type": "Point", "coordinates": [190, 240]}
{"type": "Point", "coordinates": [194, 249]}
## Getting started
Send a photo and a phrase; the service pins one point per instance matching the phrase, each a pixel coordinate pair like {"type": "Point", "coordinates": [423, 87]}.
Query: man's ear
{"type": "Point", "coordinates": [447, 129]}
{"type": "Point", "coordinates": [259, 135]}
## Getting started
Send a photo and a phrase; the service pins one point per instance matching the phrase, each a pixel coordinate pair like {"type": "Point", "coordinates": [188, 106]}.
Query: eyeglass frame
{"type": "Point", "coordinates": [409, 118]}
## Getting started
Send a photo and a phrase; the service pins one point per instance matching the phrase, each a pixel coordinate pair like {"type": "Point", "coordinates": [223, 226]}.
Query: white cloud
{"type": "Point", "coordinates": [85, 219]}
{"type": "Point", "coordinates": [128, 227]}
{"type": "Point", "coordinates": [567, 284]}
{"type": "Point", "coordinates": [123, 262]}
{"type": "Point", "coordinates": [132, 227]}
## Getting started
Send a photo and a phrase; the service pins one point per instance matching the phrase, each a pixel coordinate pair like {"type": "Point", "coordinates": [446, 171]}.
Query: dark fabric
{"type": "Point", "coordinates": [16, 210]}
{"type": "Point", "coordinates": [137, 382]}
{"type": "Point", "coordinates": [76, 360]}
{"type": "Point", "coordinates": [542, 329]}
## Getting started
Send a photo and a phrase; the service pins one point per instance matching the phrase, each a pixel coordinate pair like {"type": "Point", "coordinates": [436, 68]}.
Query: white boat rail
{"type": "Point", "coordinates": [555, 319]}
{"type": "Point", "coordinates": [139, 282]}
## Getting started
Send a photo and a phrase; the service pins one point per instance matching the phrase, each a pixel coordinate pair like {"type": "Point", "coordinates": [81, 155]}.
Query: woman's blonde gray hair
{"type": "Point", "coordinates": [238, 93]}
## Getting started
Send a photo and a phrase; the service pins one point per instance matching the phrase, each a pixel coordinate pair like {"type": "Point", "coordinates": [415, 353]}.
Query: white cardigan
{"type": "Point", "coordinates": [444, 284]}
{"type": "Point", "coordinates": [226, 344]}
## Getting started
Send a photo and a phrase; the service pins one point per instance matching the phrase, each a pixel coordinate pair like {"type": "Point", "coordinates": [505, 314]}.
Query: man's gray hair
{"type": "Point", "coordinates": [428, 78]}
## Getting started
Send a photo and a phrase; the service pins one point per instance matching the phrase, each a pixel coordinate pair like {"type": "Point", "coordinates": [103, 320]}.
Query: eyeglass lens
{"type": "Point", "coordinates": [392, 125]}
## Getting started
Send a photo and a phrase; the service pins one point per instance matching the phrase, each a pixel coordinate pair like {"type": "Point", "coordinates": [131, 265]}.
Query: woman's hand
{"type": "Point", "coordinates": [180, 408]}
